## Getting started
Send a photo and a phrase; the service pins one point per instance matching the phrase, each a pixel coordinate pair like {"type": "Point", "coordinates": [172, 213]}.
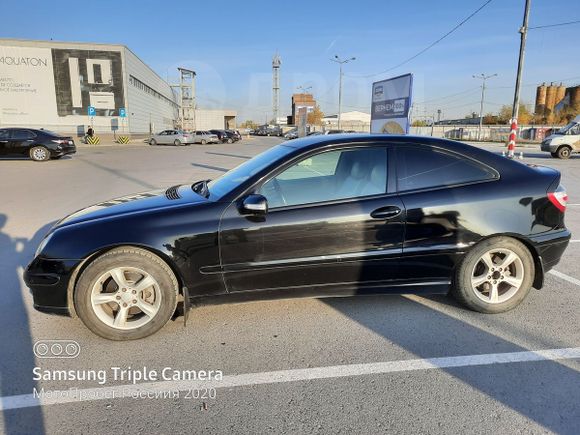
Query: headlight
{"type": "Point", "coordinates": [43, 244]}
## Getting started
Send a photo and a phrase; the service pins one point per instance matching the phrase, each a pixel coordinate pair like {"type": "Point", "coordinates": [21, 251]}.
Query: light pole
{"type": "Point", "coordinates": [341, 62]}
{"type": "Point", "coordinates": [482, 77]}
{"type": "Point", "coordinates": [516, 107]}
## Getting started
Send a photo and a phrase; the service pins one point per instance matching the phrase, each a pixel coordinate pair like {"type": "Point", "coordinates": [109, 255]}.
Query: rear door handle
{"type": "Point", "coordinates": [386, 212]}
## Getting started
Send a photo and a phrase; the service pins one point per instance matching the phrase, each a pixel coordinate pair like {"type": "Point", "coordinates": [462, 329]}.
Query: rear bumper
{"type": "Point", "coordinates": [551, 246]}
{"type": "Point", "coordinates": [63, 151]}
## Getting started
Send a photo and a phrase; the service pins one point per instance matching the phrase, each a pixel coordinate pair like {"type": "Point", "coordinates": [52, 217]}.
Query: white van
{"type": "Point", "coordinates": [565, 141]}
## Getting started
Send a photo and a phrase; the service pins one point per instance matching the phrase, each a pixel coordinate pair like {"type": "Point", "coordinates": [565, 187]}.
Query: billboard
{"type": "Point", "coordinates": [391, 103]}
{"type": "Point", "coordinates": [51, 86]}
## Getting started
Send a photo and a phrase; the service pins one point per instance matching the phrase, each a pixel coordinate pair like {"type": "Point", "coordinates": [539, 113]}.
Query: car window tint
{"type": "Point", "coordinates": [4, 134]}
{"type": "Point", "coordinates": [425, 167]}
{"type": "Point", "coordinates": [329, 176]}
{"type": "Point", "coordinates": [22, 134]}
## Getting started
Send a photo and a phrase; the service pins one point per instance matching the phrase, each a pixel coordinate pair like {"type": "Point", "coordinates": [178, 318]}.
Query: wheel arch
{"type": "Point", "coordinates": [538, 282]}
{"type": "Point", "coordinates": [91, 257]}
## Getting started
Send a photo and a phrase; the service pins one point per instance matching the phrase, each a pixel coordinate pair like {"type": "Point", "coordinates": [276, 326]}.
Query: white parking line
{"type": "Point", "coordinates": [274, 377]}
{"type": "Point", "coordinates": [574, 241]}
{"type": "Point", "coordinates": [565, 277]}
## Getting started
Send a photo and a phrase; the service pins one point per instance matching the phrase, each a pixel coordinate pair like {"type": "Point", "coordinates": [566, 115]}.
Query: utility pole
{"type": "Point", "coordinates": [516, 107]}
{"type": "Point", "coordinates": [276, 62]}
{"type": "Point", "coordinates": [438, 116]}
{"type": "Point", "coordinates": [341, 62]}
{"type": "Point", "coordinates": [483, 77]}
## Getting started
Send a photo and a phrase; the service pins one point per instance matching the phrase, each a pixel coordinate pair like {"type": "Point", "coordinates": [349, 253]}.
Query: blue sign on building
{"type": "Point", "coordinates": [92, 111]}
{"type": "Point", "coordinates": [122, 112]}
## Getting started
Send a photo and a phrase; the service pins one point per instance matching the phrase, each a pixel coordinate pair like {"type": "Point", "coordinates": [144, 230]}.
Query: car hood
{"type": "Point", "coordinates": [139, 202]}
{"type": "Point", "coordinates": [554, 136]}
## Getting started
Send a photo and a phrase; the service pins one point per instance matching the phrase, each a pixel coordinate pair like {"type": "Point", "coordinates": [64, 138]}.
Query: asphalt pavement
{"type": "Point", "coordinates": [377, 364]}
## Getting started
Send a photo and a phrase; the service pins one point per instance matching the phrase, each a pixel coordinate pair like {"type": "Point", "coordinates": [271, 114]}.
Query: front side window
{"type": "Point", "coordinates": [329, 176]}
{"type": "Point", "coordinates": [425, 167]}
{"type": "Point", "coordinates": [4, 134]}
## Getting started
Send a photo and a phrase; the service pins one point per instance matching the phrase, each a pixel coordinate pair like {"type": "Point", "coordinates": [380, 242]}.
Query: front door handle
{"type": "Point", "coordinates": [386, 212]}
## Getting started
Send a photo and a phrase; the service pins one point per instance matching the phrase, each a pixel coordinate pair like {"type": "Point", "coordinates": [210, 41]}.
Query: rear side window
{"type": "Point", "coordinates": [425, 167]}
{"type": "Point", "coordinates": [4, 134]}
{"type": "Point", "coordinates": [22, 135]}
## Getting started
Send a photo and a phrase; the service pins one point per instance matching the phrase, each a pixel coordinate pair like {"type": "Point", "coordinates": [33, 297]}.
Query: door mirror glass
{"type": "Point", "coordinates": [254, 204]}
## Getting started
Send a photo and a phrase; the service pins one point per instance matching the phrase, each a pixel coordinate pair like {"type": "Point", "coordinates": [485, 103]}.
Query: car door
{"type": "Point", "coordinates": [332, 228]}
{"type": "Point", "coordinates": [20, 141]}
{"type": "Point", "coordinates": [446, 208]}
{"type": "Point", "coordinates": [4, 138]}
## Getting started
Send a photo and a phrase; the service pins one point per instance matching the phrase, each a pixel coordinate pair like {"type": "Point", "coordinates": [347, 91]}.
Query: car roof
{"type": "Point", "coordinates": [319, 141]}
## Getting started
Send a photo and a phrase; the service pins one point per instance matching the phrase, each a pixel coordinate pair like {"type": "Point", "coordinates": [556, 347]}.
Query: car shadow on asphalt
{"type": "Point", "coordinates": [17, 356]}
{"type": "Point", "coordinates": [544, 391]}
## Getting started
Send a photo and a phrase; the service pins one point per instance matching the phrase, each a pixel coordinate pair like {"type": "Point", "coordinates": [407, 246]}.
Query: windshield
{"type": "Point", "coordinates": [233, 178]}
{"type": "Point", "coordinates": [565, 129]}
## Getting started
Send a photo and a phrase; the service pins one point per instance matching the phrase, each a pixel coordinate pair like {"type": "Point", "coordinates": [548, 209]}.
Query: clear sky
{"type": "Point", "coordinates": [231, 43]}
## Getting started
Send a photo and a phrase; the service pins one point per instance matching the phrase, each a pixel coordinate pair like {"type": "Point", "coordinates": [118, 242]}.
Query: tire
{"type": "Point", "coordinates": [130, 266]}
{"type": "Point", "coordinates": [230, 140]}
{"type": "Point", "coordinates": [564, 152]}
{"type": "Point", "coordinates": [177, 143]}
{"type": "Point", "coordinates": [203, 141]}
{"type": "Point", "coordinates": [473, 267]}
{"type": "Point", "coordinates": [152, 142]}
{"type": "Point", "coordinates": [39, 153]}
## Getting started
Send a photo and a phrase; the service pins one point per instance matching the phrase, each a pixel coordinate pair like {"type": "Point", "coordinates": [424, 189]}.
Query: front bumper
{"type": "Point", "coordinates": [48, 280]}
{"type": "Point", "coordinates": [548, 148]}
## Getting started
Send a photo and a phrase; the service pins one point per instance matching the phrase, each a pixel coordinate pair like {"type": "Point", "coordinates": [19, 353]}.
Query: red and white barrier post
{"type": "Point", "coordinates": [512, 138]}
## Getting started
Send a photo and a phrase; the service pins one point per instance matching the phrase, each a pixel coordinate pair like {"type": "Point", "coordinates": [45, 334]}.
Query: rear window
{"type": "Point", "coordinates": [425, 167]}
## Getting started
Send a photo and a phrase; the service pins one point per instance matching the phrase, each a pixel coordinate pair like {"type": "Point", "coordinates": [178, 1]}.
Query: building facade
{"type": "Point", "coordinates": [68, 86]}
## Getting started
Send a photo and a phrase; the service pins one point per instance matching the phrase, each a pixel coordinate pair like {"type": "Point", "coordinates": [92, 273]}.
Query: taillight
{"type": "Point", "coordinates": [559, 198]}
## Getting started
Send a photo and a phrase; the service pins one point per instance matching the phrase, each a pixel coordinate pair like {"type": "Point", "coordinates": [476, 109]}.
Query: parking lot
{"type": "Point", "coordinates": [365, 365]}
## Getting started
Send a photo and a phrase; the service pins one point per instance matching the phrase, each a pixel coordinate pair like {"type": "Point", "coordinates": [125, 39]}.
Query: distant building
{"type": "Point", "coordinates": [300, 101]}
{"type": "Point", "coordinates": [353, 120]}
{"type": "Point", "coordinates": [554, 98]}
{"type": "Point", "coordinates": [52, 85]}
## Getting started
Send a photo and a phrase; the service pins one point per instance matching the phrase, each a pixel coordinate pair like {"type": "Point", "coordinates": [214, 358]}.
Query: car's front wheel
{"type": "Point", "coordinates": [177, 143]}
{"type": "Point", "coordinates": [203, 141]}
{"type": "Point", "coordinates": [564, 152]}
{"type": "Point", "coordinates": [495, 276]}
{"type": "Point", "coordinates": [39, 154]}
{"type": "Point", "coordinates": [230, 140]}
{"type": "Point", "coordinates": [126, 294]}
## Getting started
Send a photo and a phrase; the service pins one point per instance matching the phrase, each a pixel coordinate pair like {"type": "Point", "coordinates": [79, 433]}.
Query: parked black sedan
{"type": "Point", "coordinates": [39, 145]}
{"type": "Point", "coordinates": [335, 215]}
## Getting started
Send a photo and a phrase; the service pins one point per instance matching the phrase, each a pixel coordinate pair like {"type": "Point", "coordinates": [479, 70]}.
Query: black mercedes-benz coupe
{"type": "Point", "coordinates": [334, 215]}
{"type": "Point", "coordinates": [39, 145]}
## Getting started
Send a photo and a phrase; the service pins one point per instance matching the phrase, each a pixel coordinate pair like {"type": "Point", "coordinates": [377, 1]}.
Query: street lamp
{"type": "Point", "coordinates": [482, 77]}
{"type": "Point", "coordinates": [341, 62]}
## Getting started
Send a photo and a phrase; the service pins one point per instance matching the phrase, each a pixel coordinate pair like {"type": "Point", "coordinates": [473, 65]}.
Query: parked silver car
{"type": "Point", "coordinates": [203, 137]}
{"type": "Point", "coordinates": [172, 137]}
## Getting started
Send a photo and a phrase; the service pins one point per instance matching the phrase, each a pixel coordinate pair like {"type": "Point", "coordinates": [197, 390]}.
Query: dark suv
{"type": "Point", "coordinates": [39, 145]}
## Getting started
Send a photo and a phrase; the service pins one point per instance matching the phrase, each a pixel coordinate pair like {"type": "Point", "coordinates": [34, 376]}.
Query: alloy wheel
{"type": "Point", "coordinates": [126, 298]}
{"type": "Point", "coordinates": [39, 154]}
{"type": "Point", "coordinates": [497, 276]}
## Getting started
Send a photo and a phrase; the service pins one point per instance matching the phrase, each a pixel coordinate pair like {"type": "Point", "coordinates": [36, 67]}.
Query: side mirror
{"type": "Point", "coordinates": [255, 205]}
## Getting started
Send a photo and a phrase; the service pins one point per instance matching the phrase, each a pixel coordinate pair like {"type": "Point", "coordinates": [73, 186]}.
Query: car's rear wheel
{"type": "Point", "coordinates": [152, 142]}
{"type": "Point", "coordinates": [495, 276]}
{"type": "Point", "coordinates": [177, 143]}
{"type": "Point", "coordinates": [230, 140]}
{"type": "Point", "coordinates": [564, 152]}
{"type": "Point", "coordinates": [126, 294]}
{"type": "Point", "coordinates": [39, 154]}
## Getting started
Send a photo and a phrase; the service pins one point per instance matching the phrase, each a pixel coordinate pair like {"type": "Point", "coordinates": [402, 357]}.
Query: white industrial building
{"type": "Point", "coordinates": [53, 85]}
{"type": "Point", "coordinates": [353, 120]}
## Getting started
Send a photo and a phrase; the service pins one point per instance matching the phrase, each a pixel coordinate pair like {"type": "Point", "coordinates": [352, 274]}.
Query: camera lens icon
{"type": "Point", "coordinates": [56, 349]}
